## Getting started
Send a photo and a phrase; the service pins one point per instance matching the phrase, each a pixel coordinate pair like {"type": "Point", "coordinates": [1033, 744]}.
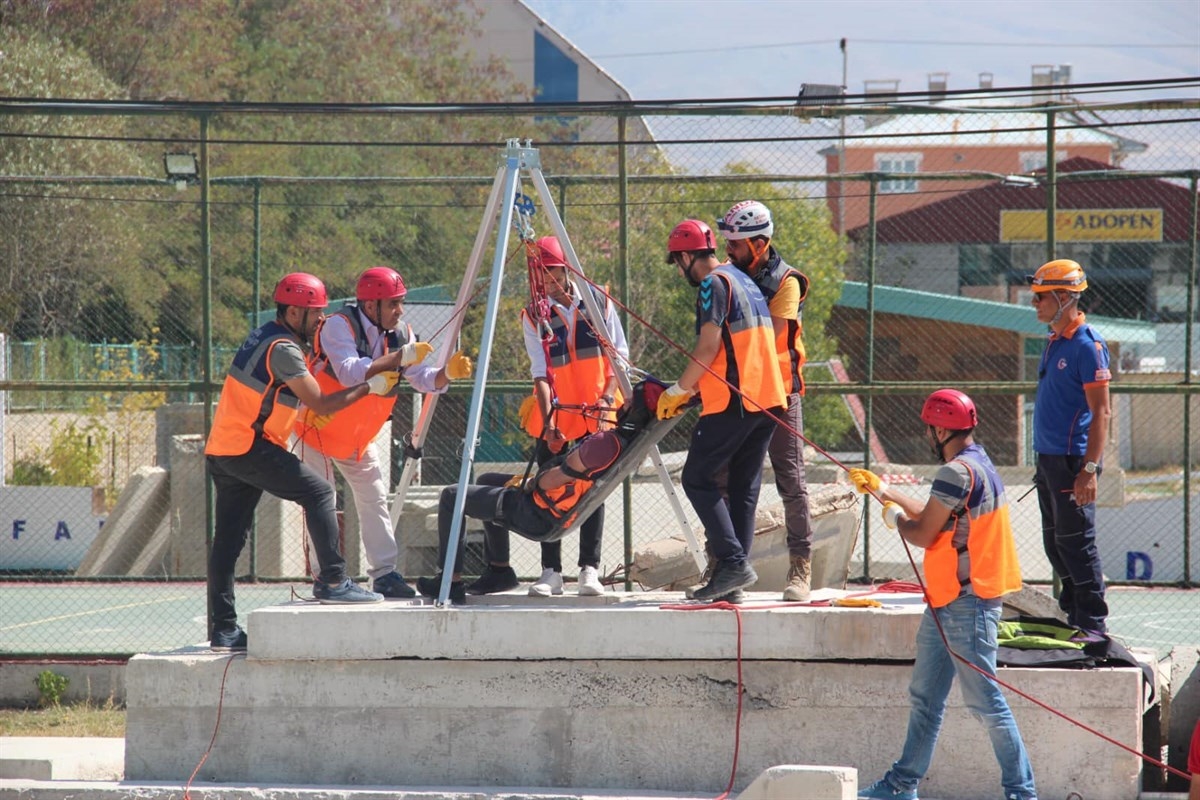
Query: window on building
{"type": "Point", "coordinates": [1032, 160]}
{"type": "Point", "coordinates": [898, 162]}
{"type": "Point", "coordinates": [984, 264]}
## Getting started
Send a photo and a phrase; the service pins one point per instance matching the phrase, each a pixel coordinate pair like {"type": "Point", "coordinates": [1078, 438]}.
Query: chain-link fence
{"type": "Point", "coordinates": [126, 292]}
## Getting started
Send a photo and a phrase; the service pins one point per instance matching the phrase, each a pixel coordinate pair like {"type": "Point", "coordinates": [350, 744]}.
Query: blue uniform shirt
{"type": "Point", "coordinates": [1061, 416]}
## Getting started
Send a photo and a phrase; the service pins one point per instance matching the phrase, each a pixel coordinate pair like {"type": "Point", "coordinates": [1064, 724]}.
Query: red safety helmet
{"type": "Point", "coordinates": [949, 409]}
{"type": "Point", "coordinates": [549, 252]}
{"type": "Point", "coordinates": [380, 283]}
{"type": "Point", "coordinates": [689, 235]}
{"type": "Point", "coordinates": [301, 289]}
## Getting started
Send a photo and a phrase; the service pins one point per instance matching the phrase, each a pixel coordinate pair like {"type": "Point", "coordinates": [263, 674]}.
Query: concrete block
{"type": "Point", "coordinates": [1181, 708]}
{"type": "Point", "coordinates": [175, 419]}
{"type": "Point", "coordinates": [788, 782]}
{"type": "Point", "coordinates": [612, 724]}
{"type": "Point", "coordinates": [61, 758]}
{"type": "Point", "coordinates": [140, 514]}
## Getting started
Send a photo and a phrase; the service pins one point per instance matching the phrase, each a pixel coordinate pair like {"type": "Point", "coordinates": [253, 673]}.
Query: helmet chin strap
{"type": "Point", "coordinates": [1062, 306]}
{"type": "Point", "coordinates": [760, 256]}
{"type": "Point", "coordinates": [938, 446]}
{"type": "Point", "coordinates": [299, 334]}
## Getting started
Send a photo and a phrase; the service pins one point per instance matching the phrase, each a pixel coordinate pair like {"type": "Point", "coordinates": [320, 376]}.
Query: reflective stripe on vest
{"type": "Point", "coordinates": [579, 367]}
{"type": "Point", "coordinates": [789, 344]}
{"type": "Point", "coordinates": [253, 401]}
{"type": "Point", "coordinates": [746, 337]}
{"type": "Point", "coordinates": [353, 428]}
{"type": "Point", "coordinates": [991, 554]}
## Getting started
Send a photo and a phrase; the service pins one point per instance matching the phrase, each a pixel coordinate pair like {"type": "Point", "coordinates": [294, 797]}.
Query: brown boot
{"type": "Point", "coordinates": [799, 587]}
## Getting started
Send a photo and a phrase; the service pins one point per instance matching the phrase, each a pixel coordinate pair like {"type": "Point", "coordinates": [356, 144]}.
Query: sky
{"type": "Point", "coordinates": [693, 49]}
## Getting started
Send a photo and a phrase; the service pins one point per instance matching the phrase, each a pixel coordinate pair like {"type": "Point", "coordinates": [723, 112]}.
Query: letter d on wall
{"type": "Point", "coordinates": [1135, 559]}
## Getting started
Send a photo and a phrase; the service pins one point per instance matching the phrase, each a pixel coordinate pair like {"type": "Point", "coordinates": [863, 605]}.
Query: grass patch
{"type": "Point", "coordinates": [87, 718]}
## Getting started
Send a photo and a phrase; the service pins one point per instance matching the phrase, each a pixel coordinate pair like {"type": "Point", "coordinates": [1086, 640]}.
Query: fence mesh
{"type": "Point", "coordinates": [126, 293]}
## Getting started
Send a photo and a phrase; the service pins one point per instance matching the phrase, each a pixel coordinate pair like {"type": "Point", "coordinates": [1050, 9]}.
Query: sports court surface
{"type": "Point", "coordinates": [51, 619]}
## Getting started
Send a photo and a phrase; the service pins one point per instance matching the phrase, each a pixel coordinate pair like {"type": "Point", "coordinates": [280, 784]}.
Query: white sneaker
{"type": "Point", "coordinates": [550, 583]}
{"type": "Point", "coordinates": [589, 582]}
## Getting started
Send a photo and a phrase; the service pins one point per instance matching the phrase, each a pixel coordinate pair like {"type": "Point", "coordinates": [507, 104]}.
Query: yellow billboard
{"type": "Point", "coordinates": [1084, 225]}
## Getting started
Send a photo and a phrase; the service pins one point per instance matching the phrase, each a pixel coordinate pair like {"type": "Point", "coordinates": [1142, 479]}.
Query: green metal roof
{"type": "Point", "coordinates": [983, 313]}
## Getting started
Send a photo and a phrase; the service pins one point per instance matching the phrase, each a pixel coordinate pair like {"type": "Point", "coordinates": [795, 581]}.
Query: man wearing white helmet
{"type": "Point", "coordinates": [748, 228]}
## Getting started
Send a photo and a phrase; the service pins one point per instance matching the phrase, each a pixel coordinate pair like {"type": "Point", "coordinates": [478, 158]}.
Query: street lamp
{"type": "Point", "coordinates": [181, 168]}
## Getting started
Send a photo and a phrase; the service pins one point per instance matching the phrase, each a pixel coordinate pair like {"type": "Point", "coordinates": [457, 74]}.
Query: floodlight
{"type": "Point", "coordinates": [181, 168]}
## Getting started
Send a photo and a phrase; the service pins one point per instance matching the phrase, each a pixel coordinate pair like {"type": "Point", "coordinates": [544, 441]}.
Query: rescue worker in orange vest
{"type": "Point", "coordinates": [970, 564]}
{"type": "Point", "coordinates": [748, 228]}
{"type": "Point", "coordinates": [247, 452]}
{"type": "Point", "coordinates": [575, 393]}
{"type": "Point", "coordinates": [535, 508]}
{"type": "Point", "coordinates": [734, 368]}
{"type": "Point", "coordinates": [353, 344]}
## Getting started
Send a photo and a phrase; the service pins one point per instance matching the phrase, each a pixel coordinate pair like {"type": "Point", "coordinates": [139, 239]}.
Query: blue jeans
{"type": "Point", "coordinates": [970, 626]}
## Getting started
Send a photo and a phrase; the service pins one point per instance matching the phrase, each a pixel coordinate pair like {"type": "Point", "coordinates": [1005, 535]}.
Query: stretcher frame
{"type": "Point", "coordinates": [518, 159]}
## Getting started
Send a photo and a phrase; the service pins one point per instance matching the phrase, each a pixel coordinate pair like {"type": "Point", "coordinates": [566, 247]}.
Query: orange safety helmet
{"type": "Point", "coordinates": [949, 409]}
{"type": "Point", "coordinates": [1062, 273]}
{"type": "Point", "coordinates": [690, 235]}
{"type": "Point", "coordinates": [549, 253]}
{"type": "Point", "coordinates": [302, 290]}
{"type": "Point", "coordinates": [380, 283]}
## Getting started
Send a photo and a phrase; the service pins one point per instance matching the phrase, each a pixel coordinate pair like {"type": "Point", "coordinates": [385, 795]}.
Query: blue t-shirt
{"type": "Point", "coordinates": [1061, 416]}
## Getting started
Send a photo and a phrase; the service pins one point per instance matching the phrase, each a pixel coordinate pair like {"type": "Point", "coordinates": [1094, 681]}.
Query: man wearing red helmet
{"type": "Point", "coordinates": [748, 228]}
{"type": "Point", "coordinates": [1070, 429]}
{"type": "Point", "coordinates": [353, 344]}
{"type": "Point", "coordinates": [970, 564]}
{"type": "Point", "coordinates": [734, 368]}
{"type": "Point", "coordinates": [575, 393]}
{"type": "Point", "coordinates": [247, 452]}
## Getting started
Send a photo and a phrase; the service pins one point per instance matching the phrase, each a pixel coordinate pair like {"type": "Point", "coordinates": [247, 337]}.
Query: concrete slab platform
{"type": "Point", "coordinates": [55, 758]}
{"type": "Point", "coordinates": [614, 626]}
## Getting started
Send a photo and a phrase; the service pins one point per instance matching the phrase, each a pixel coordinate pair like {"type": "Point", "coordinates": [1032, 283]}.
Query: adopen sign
{"type": "Point", "coordinates": [1084, 225]}
{"type": "Point", "coordinates": [46, 527]}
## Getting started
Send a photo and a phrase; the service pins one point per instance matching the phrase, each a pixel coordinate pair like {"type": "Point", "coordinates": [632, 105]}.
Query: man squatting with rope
{"type": "Point", "coordinates": [575, 393]}
{"type": "Point", "coordinates": [361, 340]}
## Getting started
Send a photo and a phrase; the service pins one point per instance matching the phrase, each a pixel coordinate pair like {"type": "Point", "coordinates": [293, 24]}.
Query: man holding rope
{"type": "Point", "coordinates": [970, 564]}
{"type": "Point", "coordinates": [734, 368]}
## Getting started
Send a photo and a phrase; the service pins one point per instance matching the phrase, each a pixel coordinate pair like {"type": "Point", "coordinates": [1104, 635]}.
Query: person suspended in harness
{"type": "Point", "coordinates": [575, 393]}
{"type": "Point", "coordinates": [546, 505]}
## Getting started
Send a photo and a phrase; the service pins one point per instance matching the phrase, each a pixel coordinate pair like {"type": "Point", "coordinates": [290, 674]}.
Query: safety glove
{"type": "Point", "coordinates": [671, 402]}
{"type": "Point", "coordinates": [459, 366]}
{"type": "Point", "coordinates": [866, 481]}
{"type": "Point", "coordinates": [414, 353]}
{"type": "Point", "coordinates": [383, 383]}
{"type": "Point", "coordinates": [892, 514]}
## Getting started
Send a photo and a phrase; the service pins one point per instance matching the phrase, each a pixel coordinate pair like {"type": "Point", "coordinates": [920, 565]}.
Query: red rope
{"type": "Point", "coordinates": [216, 726]}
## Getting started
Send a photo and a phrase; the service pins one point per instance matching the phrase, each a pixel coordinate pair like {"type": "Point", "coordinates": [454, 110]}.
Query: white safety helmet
{"type": "Point", "coordinates": [746, 220]}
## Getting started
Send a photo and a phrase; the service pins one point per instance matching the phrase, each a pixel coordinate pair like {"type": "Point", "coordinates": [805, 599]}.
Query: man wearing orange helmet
{"type": "Point", "coordinates": [355, 343]}
{"type": "Point", "coordinates": [734, 368]}
{"type": "Point", "coordinates": [247, 452]}
{"type": "Point", "coordinates": [970, 564]}
{"type": "Point", "coordinates": [575, 393]}
{"type": "Point", "coordinates": [748, 228]}
{"type": "Point", "coordinates": [1070, 429]}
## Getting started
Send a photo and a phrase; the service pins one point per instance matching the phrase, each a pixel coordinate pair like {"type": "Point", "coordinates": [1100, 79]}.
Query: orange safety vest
{"type": "Point", "coordinates": [579, 368]}
{"type": "Point", "coordinates": [254, 402]}
{"type": "Point", "coordinates": [789, 345]}
{"type": "Point", "coordinates": [560, 501]}
{"type": "Point", "coordinates": [747, 356]}
{"type": "Point", "coordinates": [992, 569]}
{"type": "Point", "coordinates": [353, 428]}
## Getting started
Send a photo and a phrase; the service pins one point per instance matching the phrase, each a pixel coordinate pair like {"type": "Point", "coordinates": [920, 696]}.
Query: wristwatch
{"type": "Point", "coordinates": [1091, 467]}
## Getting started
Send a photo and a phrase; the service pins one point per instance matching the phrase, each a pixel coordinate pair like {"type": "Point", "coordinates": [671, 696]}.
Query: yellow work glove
{"type": "Point", "coordinates": [317, 421]}
{"type": "Point", "coordinates": [892, 515]}
{"type": "Point", "coordinates": [671, 402]}
{"type": "Point", "coordinates": [866, 481]}
{"type": "Point", "coordinates": [384, 382]}
{"type": "Point", "coordinates": [459, 366]}
{"type": "Point", "coordinates": [857, 602]}
{"type": "Point", "coordinates": [515, 482]}
{"type": "Point", "coordinates": [414, 353]}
